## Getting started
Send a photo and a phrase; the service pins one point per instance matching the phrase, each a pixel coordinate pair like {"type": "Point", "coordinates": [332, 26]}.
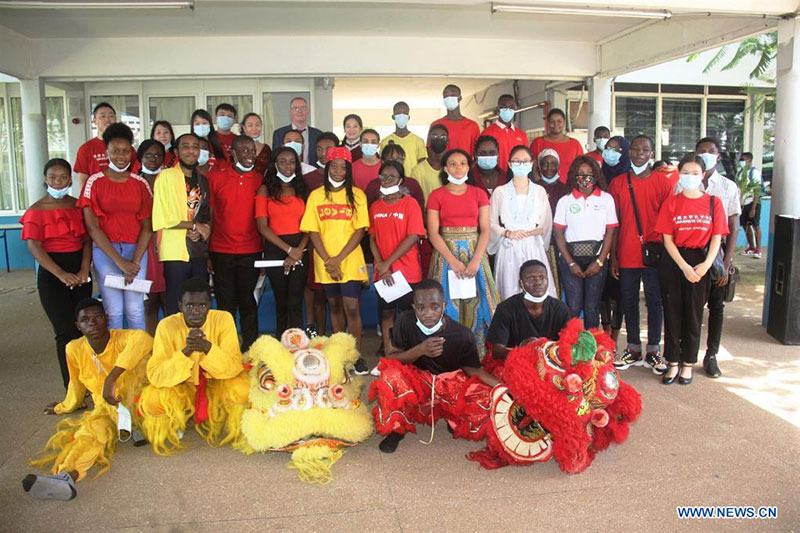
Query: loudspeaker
{"type": "Point", "coordinates": [784, 297]}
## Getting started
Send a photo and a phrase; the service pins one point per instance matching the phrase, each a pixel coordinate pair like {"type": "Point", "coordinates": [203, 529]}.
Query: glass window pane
{"type": "Point", "coordinates": [242, 103]}
{"type": "Point", "coordinates": [56, 127]}
{"type": "Point", "coordinates": [177, 110]}
{"type": "Point", "coordinates": [276, 110]}
{"type": "Point", "coordinates": [635, 116]}
{"type": "Point", "coordinates": [680, 127]}
{"type": "Point", "coordinates": [725, 122]}
{"type": "Point", "coordinates": [6, 187]}
{"type": "Point", "coordinates": [19, 152]}
{"type": "Point", "coordinates": [127, 108]}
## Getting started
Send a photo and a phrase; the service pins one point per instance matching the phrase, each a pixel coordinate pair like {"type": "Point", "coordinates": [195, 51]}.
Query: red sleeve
{"type": "Point", "coordinates": [146, 205]}
{"type": "Point", "coordinates": [261, 206]}
{"type": "Point", "coordinates": [483, 196]}
{"type": "Point", "coordinates": [664, 223]}
{"type": "Point", "coordinates": [415, 224]}
{"type": "Point", "coordinates": [88, 197]}
{"type": "Point", "coordinates": [433, 201]}
{"type": "Point", "coordinates": [81, 161]}
{"type": "Point", "coordinates": [371, 230]}
{"type": "Point", "coordinates": [720, 220]}
{"type": "Point", "coordinates": [536, 147]}
{"type": "Point", "coordinates": [31, 228]}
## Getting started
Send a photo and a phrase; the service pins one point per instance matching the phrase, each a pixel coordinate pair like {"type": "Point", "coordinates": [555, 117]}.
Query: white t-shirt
{"type": "Point", "coordinates": [585, 218]}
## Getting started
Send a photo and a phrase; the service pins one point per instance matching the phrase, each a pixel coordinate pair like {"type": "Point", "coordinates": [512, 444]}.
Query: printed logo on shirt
{"type": "Point", "coordinates": [574, 209]}
{"type": "Point", "coordinates": [334, 212]}
{"type": "Point", "coordinates": [400, 216]}
{"type": "Point", "coordinates": [691, 222]}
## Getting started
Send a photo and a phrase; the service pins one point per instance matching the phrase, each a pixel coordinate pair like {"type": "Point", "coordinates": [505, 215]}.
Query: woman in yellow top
{"type": "Point", "coordinates": [182, 214]}
{"type": "Point", "coordinates": [110, 364]}
{"type": "Point", "coordinates": [336, 220]}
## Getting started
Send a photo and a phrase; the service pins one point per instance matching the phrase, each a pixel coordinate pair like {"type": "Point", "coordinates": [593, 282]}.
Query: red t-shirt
{"type": "Point", "coordinates": [59, 230]}
{"type": "Point", "coordinates": [688, 220]}
{"type": "Point", "coordinates": [461, 134]}
{"type": "Point", "coordinates": [119, 206]}
{"type": "Point", "coordinates": [458, 210]}
{"type": "Point", "coordinates": [92, 158]}
{"type": "Point", "coordinates": [410, 187]}
{"type": "Point", "coordinates": [284, 215]}
{"type": "Point", "coordinates": [363, 174]}
{"type": "Point", "coordinates": [597, 157]}
{"type": "Point", "coordinates": [651, 193]}
{"type": "Point", "coordinates": [391, 223]}
{"type": "Point", "coordinates": [567, 152]}
{"type": "Point", "coordinates": [225, 141]}
{"type": "Point", "coordinates": [233, 202]}
{"type": "Point", "coordinates": [507, 138]}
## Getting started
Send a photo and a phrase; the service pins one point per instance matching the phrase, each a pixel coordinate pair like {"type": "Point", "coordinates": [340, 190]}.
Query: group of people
{"type": "Point", "coordinates": [525, 235]}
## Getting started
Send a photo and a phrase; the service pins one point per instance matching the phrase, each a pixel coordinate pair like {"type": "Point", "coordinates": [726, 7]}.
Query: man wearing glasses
{"type": "Point", "coordinates": [298, 115]}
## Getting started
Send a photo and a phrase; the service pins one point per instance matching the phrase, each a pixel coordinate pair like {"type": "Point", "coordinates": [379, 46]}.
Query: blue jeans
{"type": "Point", "coordinates": [119, 303]}
{"type": "Point", "coordinates": [629, 281]}
{"type": "Point", "coordinates": [583, 294]}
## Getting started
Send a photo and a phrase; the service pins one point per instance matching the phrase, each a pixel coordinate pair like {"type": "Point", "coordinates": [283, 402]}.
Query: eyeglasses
{"type": "Point", "coordinates": [520, 162]}
{"type": "Point", "coordinates": [299, 108]}
{"type": "Point", "coordinates": [585, 176]}
{"type": "Point", "coordinates": [438, 137]}
{"type": "Point", "coordinates": [386, 177]}
{"type": "Point", "coordinates": [152, 155]}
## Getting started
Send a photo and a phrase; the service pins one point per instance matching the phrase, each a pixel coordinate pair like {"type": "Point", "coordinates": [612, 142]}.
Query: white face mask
{"type": "Point", "coordinates": [600, 143]}
{"type": "Point", "coordinates": [115, 168]}
{"type": "Point", "coordinates": [146, 170]}
{"type": "Point", "coordinates": [450, 102]}
{"type": "Point", "coordinates": [336, 184]}
{"type": "Point", "coordinates": [430, 331]}
{"type": "Point", "coordinates": [534, 299]}
{"type": "Point", "coordinates": [58, 193]}
{"type": "Point", "coordinates": [244, 168]}
{"type": "Point", "coordinates": [710, 161]}
{"type": "Point", "coordinates": [386, 191]}
{"type": "Point", "coordinates": [202, 159]}
{"type": "Point", "coordinates": [285, 179]}
{"type": "Point", "coordinates": [550, 180]}
{"type": "Point", "coordinates": [690, 182]}
{"type": "Point", "coordinates": [456, 181]}
{"type": "Point", "coordinates": [639, 169]}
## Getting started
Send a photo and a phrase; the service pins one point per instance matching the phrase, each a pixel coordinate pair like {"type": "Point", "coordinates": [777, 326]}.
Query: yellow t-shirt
{"type": "Point", "coordinates": [125, 348]}
{"type": "Point", "coordinates": [427, 177]}
{"type": "Point", "coordinates": [335, 221]}
{"type": "Point", "coordinates": [413, 146]}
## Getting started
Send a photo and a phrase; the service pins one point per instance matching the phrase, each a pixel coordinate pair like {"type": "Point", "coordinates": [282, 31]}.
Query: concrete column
{"type": "Point", "coordinates": [599, 103]}
{"type": "Point", "coordinates": [34, 132]}
{"type": "Point", "coordinates": [785, 185]}
{"type": "Point", "coordinates": [756, 136]}
{"type": "Point", "coordinates": [322, 102]}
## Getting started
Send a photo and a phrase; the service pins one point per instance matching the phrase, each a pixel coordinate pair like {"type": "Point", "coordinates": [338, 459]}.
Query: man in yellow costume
{"type": "Point", "coordinates": [110, 364]}
{"type": "Point", "coordinates": [196, 371]}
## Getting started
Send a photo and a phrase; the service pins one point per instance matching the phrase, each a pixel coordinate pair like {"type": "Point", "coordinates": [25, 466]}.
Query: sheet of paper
{"type": "Point", "coordinates": [265, 263]}
{"type": "Point", "coordinates": [123, 422]}
{"type": "Point", "coordinates": [399, 289]}
{"type": "Point", "coordinates": [115, 281]}
{"type": "Point", "coordinates": [461, 289]}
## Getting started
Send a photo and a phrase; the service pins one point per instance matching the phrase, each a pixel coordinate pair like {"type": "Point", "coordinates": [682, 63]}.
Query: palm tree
{"type": "Point", "coordinates": [764, 47]}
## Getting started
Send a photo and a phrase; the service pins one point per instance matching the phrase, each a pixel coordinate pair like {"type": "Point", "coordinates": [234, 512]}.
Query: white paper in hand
{"type": "Point", "coordinates": [115, 281]}
{"type": "Point", "coordinates": [123, 422]}
{"type": "Point", "coordinates": [268, 263]}
{"type": "Point", "coordinates": [399, 289]}
{"type": "Point", "coordinates": [461, 289]}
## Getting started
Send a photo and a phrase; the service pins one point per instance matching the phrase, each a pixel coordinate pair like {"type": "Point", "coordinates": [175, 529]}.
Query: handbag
{"type": "Point", "coordinates": [651, 251]}
{"type": "Point", "coordinates": [584, 249]}
{"type": "Point", "coordinates": [717, 270]}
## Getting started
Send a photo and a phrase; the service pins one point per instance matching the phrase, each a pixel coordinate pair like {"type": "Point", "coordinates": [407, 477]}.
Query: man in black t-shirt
{"type": "Point", "coordinates": [525, 317]}
{"type": "Point", "coordinates": [430, 351]}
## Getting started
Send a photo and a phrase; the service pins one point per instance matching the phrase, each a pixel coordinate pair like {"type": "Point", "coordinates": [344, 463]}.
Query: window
{"type": "Point", "coordinates": [725, 122]}
{"type": "Point", "coordinates": [177, 110]}
{"type": "Point", "coordinates": [769, 139]}
{"type": "Point", "coordinates": [127, 108]}
{"type": "Point", "coordinates": [19, 152]}
{"type": "Point", "coordinates": [635, 115]}
{"type": "Point", "coordinates": [276, 111]}
{"type": "Point", "coordinates": [242, 103]}
{"type": "Point", "coordinates": [6, 185]}
{"type": "Point", "coordinates": [680, 127]}
{"type": "Point", "coordinates": [56, 127]}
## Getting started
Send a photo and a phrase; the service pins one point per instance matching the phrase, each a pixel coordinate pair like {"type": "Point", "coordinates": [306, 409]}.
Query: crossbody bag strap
{"type": "Point", "coordinates": [635, 209]}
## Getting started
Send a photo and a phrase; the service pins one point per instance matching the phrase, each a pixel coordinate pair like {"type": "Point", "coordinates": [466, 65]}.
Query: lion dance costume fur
{"type": "Point", "coordinates": [559, 399]}
{"type": "Point", "coordinates": [305, 400]}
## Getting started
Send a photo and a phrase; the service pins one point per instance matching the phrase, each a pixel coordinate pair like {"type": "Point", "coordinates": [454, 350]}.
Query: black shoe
{"type": "Point", "coordinates": [361, 367]}
{"type": "Point", "coordinates": [311, 331]}
{"type": "Point", "coordinates": [666, 379]}
{"type": "Point", "coordinates": [711, 367]}
{"type": "Point", "coordinates": [390, 442]}
{"type": "Point", "coordinates": [682, 380]}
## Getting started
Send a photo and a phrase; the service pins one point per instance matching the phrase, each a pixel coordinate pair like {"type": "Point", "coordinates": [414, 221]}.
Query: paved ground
{"type": "Point", "coordinates": [733, 441]}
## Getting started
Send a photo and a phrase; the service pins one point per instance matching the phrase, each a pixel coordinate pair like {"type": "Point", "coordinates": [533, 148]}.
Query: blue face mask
{"type": "Point", "coordinates": [285, 179]}
{"type": "Point", "coordinates": [521, 171]}
{"type": "Point", "coordinates": [450, 102]}
{"type": "Point", "coordinates": [401, 120]}
{"type": "Point", "coordinates": [202, 159]}
{"type": "Point", "coordinates": [430, 331]}
{"type": "Point", "coordinates": [457, 181]}
{"type": "Point", "coordinates": [611, 156]}
{"type": "Point", "coordinates": [167, 146]}
{"type": "Point", "coordinates": [296, 146]}
{"type": "Point", "coordinates": [58, 193]}
{"type": "Point", "coordinates": [487, 162]}
{"type": "Point", "coordinates": [550, 180]}
{"type": "Point", "coordinates": [690, 182]}
{"type": "Point", "coordinates": [639, 169]}
{"type": "Point", "coordinates": [225, 123]}
{"type": "Point", "coordinates": [601, 143]}
{"type": "Point", "coordinates": [506, 114]}
{"type": "Point", "coordinates": [202, 130]}
{"type": "Point", "coordinates": [369, 150]}
{"type": "Point", "coordinates": [710, 160]}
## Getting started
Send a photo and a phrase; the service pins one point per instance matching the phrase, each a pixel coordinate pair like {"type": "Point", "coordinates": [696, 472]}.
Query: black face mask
{"type": "Point", "coordinates": [438, 146]}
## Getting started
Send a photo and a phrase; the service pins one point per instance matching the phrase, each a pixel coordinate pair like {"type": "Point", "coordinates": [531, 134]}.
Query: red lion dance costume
{"type": "Point", "coordinates": [559, 399]}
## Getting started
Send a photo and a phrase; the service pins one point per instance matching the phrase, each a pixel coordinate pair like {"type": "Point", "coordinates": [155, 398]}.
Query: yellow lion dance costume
{"type": "Point", "coordinates": [304, 399]}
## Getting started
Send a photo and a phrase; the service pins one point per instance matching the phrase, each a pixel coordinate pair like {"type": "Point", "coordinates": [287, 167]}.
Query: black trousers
{"type": "Point", "coordinates": [683, 307]}
{"type": "Point", "coordinates": [177, 272]}
{"type": "Point", "coordinates": [235, 279]}
{"type": "Point", "coordinates": [59, 303]}
{"type": "Point", "coordinates": [716, 316]}
{"type": "Point", "coordinates": [287, 288]}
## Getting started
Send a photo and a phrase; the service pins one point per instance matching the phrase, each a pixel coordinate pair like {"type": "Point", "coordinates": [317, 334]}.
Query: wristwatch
{"type": "Point", "coordinates": [599, 263]}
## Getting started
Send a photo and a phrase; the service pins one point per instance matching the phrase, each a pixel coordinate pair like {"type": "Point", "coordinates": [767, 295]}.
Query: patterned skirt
{"type": "Point", "coordinates": [474, 313]}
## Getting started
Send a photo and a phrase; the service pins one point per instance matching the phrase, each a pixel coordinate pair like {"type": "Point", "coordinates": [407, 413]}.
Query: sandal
{"type": "Point", "coordinates": [684, 380]}
{"type": "Point", "coordinates": [668, 379]}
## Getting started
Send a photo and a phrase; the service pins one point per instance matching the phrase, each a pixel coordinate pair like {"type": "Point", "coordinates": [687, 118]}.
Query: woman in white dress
{"type": "Point", "coordinates": [521, 223]}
